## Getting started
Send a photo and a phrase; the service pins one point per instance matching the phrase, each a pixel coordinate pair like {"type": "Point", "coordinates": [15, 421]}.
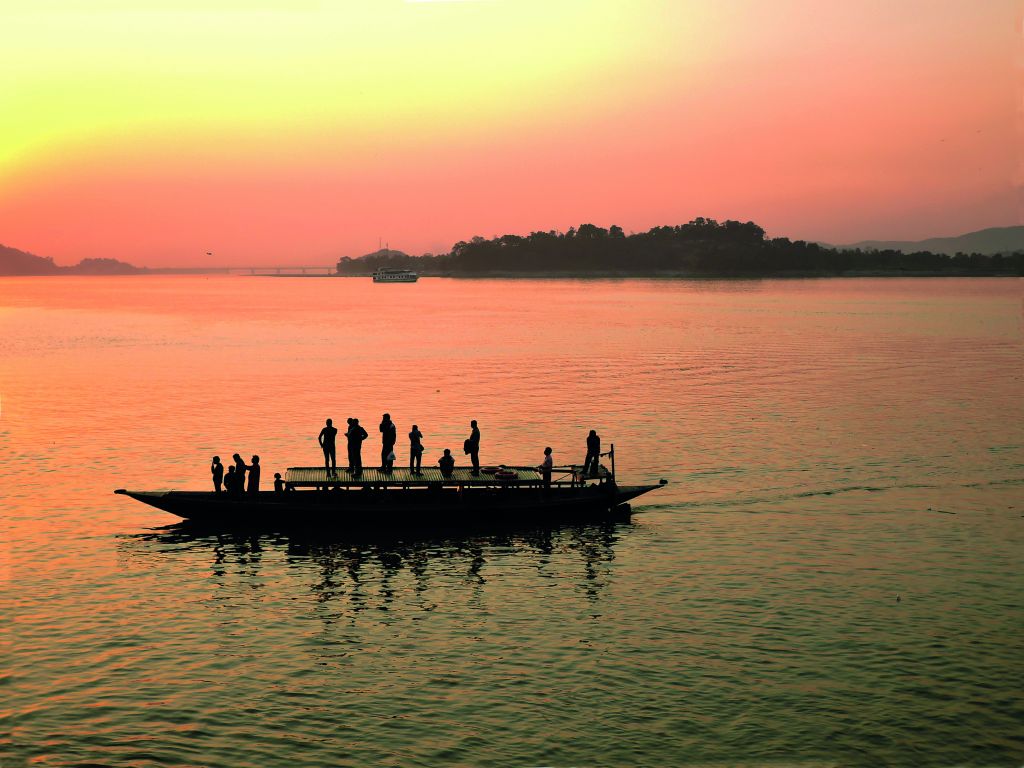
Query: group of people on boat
{"type": "Point", "coordinates": [234, 482]}
{"type": "Point", "coordinates": [243, 478]}
{"type": "Point", "coordinates": [356, 434]}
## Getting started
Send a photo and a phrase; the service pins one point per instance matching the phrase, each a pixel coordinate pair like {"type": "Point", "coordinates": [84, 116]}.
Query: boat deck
{"type": "Point", "coordinates": [402, 477]}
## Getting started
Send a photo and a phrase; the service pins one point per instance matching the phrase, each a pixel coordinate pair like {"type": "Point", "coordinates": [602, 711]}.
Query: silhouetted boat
{"type": "Point", "coordinates": [395, 276]}
{"type": "Point", "coordinates": [499, 496]}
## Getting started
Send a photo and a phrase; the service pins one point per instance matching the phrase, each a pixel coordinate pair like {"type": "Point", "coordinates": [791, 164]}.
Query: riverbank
{"type": "Point", "coordinates": [682, 275]}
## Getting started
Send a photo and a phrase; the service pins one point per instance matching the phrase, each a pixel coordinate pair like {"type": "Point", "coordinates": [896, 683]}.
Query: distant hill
{"type": "Point", "coordinates": [15, 262]}
{"type": "Point", "coordinates": [701, 247]}
{"type": "Point", "coordinates": [986, 241]}
{"type": "Point", "coordinates": [383, 259]}
{"type": "Point", "coordinates": [385, 253]}
{"type": "Point", "coordinates": [104, 267]}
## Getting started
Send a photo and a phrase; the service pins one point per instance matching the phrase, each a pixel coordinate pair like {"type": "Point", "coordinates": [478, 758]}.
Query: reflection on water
{"type": "Point", "coordinates": [361, 571]}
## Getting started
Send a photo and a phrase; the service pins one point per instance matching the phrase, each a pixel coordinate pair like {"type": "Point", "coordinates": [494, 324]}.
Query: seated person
{"type": "Point", "coordinates": [447, 463]}
{"type": "Point", "coordinates": [278, 483]}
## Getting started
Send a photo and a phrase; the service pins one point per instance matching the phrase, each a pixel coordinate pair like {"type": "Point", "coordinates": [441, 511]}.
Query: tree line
{"type": "Point", "coordinates": [699, 247]}
{"type": "Point", "coordinates": [15, 262]}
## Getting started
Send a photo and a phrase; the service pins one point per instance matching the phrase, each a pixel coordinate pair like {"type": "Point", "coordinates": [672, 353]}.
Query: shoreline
{"type": "Point", "coordinates": [682, 275]}
{"type": "Point", "coordinates": [595, 275]}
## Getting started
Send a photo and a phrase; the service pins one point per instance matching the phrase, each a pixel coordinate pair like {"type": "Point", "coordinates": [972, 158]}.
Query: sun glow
{"type": "Point", "coordinates": [137, 124]}
{"type": "Point", "coordinates": [345, 70]}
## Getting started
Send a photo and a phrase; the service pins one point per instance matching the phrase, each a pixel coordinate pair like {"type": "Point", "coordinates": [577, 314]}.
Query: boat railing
{"type": "Point", "coordinates": [379, 477]}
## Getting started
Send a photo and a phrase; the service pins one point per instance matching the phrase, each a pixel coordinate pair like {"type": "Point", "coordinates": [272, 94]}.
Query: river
{"type": "Point", "coordinates": [832, 575]}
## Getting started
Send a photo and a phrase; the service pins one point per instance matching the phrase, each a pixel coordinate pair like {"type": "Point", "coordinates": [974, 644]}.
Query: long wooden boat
{"type": "Point", "coordinates": [398, 498]}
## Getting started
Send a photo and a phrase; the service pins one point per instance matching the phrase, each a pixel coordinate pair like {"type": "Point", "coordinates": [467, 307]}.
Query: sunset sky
{"type": "Point", "coordinates": [296, 131]}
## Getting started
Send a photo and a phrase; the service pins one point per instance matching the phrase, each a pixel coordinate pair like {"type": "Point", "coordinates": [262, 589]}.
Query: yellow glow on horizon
{"type": "Point", "coordinates": [148, 129]}
{"type": "Point", "coordinates": [90, 73]}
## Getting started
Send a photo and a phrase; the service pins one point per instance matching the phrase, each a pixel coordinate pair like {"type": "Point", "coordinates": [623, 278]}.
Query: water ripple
{"type": "Point", "coordinates": [830, 578]}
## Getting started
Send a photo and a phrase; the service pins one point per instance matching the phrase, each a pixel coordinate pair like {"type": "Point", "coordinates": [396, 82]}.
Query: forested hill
{"type": "Point", "coordinates": [15, 262]}
{"type": "Point", "coordinates": [992, 240]}
{"type": "Point", "coordinates": [700, 247]}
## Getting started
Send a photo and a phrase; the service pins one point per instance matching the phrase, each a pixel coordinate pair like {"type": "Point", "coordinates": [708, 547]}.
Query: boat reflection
{"type": "Point", "coordinates": [364, 571]}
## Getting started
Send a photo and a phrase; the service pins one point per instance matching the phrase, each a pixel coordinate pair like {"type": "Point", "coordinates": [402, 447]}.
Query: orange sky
{"type": "Point", "coordinates": [271, 132]}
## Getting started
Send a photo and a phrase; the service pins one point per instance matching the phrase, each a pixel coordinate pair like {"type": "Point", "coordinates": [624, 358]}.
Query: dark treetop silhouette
{"type": "Point", "coordinates": [699, 247]}
{"type": "Point", "coordinates": [15, 262]}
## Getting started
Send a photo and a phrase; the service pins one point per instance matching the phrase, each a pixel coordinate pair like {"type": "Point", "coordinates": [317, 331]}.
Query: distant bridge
{"type": "Point", "coordinates": [290, 269]}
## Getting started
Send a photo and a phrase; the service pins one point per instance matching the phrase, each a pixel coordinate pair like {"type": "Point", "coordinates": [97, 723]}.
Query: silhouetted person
{"type": "Point", "coordinates": [254, 476]}
{"type": "Point", "coordinates": [217, 470]}
{"type": "Point", "coordinates": [593, 461]}
{"type": "Point", "coordinates": [349, 429]}
{"type": "Point", "coordinates": [415, 450]}
{"type": "Point", "coordinates": [240, 468]}
{"type": "Point", "coordinates": [356, 434]}
{"type": "Point", "coordinates": [388, 436]}
{"type": "Point", "coordinates": [447, 463]}
{"type": "Point", "coordinates": [545, 468]}
{"type": "Point", "coordinates": [231, 481]}
{"type": "Point", "coordinates": [278, 483]}
{"type": "Point", "coordinates": [326, 440]}
{"type": "Point", "coordinates": [472, 447]}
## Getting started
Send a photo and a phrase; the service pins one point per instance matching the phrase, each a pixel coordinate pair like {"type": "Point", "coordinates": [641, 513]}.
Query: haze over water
{"type": "Point", "coordinates": [829, 445]}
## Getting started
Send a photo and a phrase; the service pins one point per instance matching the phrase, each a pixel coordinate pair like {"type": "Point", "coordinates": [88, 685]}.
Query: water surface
{"type": "Point", "coordinates": [830, 445]}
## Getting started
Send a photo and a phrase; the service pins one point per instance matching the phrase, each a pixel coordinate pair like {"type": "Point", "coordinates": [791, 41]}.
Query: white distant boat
{"type": "Point", "coordinates": [395, 276]}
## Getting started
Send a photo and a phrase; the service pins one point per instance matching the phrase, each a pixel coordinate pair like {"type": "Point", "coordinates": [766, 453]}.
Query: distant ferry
{"type": "Point", "coordinates": [395, 276]}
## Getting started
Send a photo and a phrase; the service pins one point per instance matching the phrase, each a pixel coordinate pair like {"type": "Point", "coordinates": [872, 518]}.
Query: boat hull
{"type": "Point", "coordinates": [390, 508]}
{"type": "Point", "coordinates": [397, 276]}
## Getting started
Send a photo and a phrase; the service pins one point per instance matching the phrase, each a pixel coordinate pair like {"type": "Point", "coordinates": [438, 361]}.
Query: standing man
{"type": "Point", "coordinates": [240, 468]}
{"type": "Point", "coordinates": [356, 434]}
{"type": "Point", "coordinates": [593, 454]}
{"type": "Point", "coordinates": [415, 450]}
{"type": "Point", "coordinates": [545, 468]}
{"type": "Point", "coordinates": [217, 470]}
{"type": "Point", "coordinates": [347, 430]}
{"type": "Point", "coordinates": [472, 447]}
{"type": "Point", "coordinates": [326, 440]}
{"type": "Point", "coordinates": [389, 436]}
{"type": "Point", "coordinates": [254, 477]}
